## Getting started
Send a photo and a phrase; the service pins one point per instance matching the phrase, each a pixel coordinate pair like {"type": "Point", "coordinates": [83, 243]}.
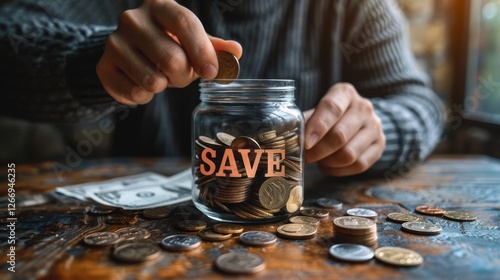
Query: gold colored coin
{"type": "Point", "coordinates": [297, 231]}
{"type": "Point", "coordinates": [403, 217]}
{"type": "Point", "coordinates": [192, 225]}
{"type": "Point", "coordinates": [304, 220]}
{"type": "Point", "coordinates": [227, 228]}
{"type": "Point", "coordinates": [225, 138]}
{"type": "Point", "coordinates": [210, 235]}
{"type": "Point", "coordinates": [398, 256]}
{"type": "Point", "coordinates": [429, 210]}
{"type": "Point", "coordinates": [229, 68]}
{"type": "Point", "coordinates": [421, 228]}
{"type": "Point", "coordinates": [460, 216]}
{"type": "Point", "coordinates": [295, 199]}
{"type": "Point", "coordinates": [274, 193]}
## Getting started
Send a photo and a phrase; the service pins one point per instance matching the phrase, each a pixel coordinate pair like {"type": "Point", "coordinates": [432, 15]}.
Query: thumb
{"type": "Point", "coordinates": [229, 46]}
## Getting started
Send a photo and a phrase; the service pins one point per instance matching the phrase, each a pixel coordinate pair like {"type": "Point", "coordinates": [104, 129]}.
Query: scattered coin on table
{"type": "Point", "coordinates": [258, 238]}
{"type": "Point", "coordinates": [304, 220]}
{"type": "Point", "coordinates": [135, 251]}
{"type": "Point", "coordinates": [404, 217]}
{"type": "Point", "coordinates": [330, 203]}
{"type": "Point", "coordinates": [315, 213]}
{"type": "Point", "coordinates": [296, 231]}
{"type": "Point", "coordinates": [398, 256]}
{"type": "Point", "coordinates": [461, 216]}
{"type": "Point", "coordinates": [192, 225]}
{"type": "Point", "coordinates": [157, 213]}
{"type": "Point", "coordinates": [102, 238]}
{"type": "Point", "coordinates": [132, 233]}
{"type": "Point", "coordinates": [210, 235]}
{"type": "Point", "coordinates": [240, 263]}
{"type": "Point", "coordinates": [227, 228]}
{"type": "Point", "coordinates": [430, 210]}
{"type": "Point", "coordinates": [362, 212]}
{"type": "Point", "coordinates": [100, 210]}
{"type": "Point", "coordinates": [421, 228]}
{"type": "Point", "coordinates": [181, 242]}
{"type": "Point", "coordinates": [351, 252]}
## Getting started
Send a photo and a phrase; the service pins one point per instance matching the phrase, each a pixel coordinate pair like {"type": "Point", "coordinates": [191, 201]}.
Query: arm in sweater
{"type": "Point", "coordinates": [378, 62]}
{"type": "Point", "coordinates": [48, 54]}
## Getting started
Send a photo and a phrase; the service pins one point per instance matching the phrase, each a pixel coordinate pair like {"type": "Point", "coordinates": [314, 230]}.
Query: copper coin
{"type": "Point", "coordinates": [398, 256]}
{"type": "Point", "coordinates": [102, 238]}
{"type": "Point", "coordinates": [227, 228]}
{"type": "Point", "coordinates": [258, 238]}
{"type": "Point", "coordinates": [210, 235]}
{"type": "Point", "coordinates": [304, 220]}
{"type": "Point", "coordinates": [181, 242]}
{"type": "Point", "coordinates": [421, 228]}
{"type": "Point", "coordinates": [460, 216]}
{"type": "Point", "coordinates": [403, 217]}
{"type": "Point", "coordinates": [274, 193]}
{"type": "Point", "coordinates": [430, 210]}
{"type": "Point", "coordinates": [157, 213]}
{"type": "Point", "coordinates": [192, 225]}
{"type": "Point", "coordinates": [137, 251]}
{"type": "Point", "coordinates": [229, 68]}
{"type": "Point", "coordinates": [244, 142]}
{"type": "Point", "coordinates": [132, 233]}
{"type": "Point", "coordinates": [240, 263]}
{"type": "Point", "coordinates": [297, 231]}
{"type": "Point", "coordinates": [100, 210]}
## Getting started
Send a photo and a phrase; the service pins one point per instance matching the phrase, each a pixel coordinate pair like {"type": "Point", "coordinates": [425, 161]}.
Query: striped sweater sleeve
{"type": "Point", "coordinates": [379, 62]}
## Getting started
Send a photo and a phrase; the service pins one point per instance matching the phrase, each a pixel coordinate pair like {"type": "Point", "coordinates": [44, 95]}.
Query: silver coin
{"type": "Point", "coordinates": [102, 238]}
{"type": "Point", "coordinates": [362, 212]}
{"type": "Point", "coordinates": [181, 242]}
{"type": "Point", "coordinates": [136, 251]}
{"type": "Point", "coordinates": [258, 238]}
{"type": "Point", "coordinates": [351, 252]}
{"type": "Point", "coordinates": [421, 228]}
{"type": "Point", "coordinates": [240, 263]}
{"type": "Point", "coordinates": [315, 213]}
{"type": "Point", "coordinates": [329, 203]}
{"type": "Point", "coordinates": [130, 233]}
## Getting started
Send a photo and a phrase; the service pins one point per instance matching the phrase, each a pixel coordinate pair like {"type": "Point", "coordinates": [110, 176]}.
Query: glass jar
{"type": "Point", "coordinates": [247, 150]}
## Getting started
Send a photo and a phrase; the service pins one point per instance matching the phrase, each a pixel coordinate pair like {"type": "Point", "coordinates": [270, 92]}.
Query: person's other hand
{"type": "Point", "coordinates": [343, 134]}
{"type": "Point", "coordinates": [158, 45]}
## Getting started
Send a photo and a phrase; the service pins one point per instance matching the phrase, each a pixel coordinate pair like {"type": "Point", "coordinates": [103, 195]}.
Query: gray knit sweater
{"type": "Point", "coordinates": [49, 50]}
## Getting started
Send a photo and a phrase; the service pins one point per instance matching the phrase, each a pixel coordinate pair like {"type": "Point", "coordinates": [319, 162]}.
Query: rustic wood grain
{"type": "Point", "coordinates": [51, 227]}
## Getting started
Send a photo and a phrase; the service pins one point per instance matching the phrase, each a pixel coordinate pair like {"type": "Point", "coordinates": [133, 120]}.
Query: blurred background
{"type": "Point", "coordinates": [457, 42]}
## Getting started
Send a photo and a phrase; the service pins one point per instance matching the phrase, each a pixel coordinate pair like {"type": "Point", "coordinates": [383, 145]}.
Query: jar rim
{"type": "Point", "coordinates": [247, 85]}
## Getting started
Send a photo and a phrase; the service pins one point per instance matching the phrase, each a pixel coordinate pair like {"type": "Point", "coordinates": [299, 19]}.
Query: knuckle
{"type": "Point", "coordinates": [333, 107]}
{"type": "Point", "coordinates": [339, 136]}
{"type": "Point", "coordinates": [183, 20]}
{"type": "Point", "coordinates": [140, 96]}
{"type": "Point", "coordinates": [362, 165]}
{"type": "Point", "coordinates": [127, 18]}
{"type": "Point", "coordinates": [350, 155]}
{"type": "Point", "coordinates": [171, 62]}
{"type": "Point", "coordinates": [347, 87]}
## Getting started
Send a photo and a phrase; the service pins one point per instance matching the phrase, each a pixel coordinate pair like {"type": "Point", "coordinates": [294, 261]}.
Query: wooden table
{"type": "Point", "coordinates": [50, 228]}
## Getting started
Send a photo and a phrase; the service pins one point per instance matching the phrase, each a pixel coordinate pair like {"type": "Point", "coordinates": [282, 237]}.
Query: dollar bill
{"type": "Point", "coordinates": [135, 192]}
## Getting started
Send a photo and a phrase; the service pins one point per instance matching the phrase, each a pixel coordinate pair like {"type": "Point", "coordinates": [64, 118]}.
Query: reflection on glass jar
{"type": "Point", "coordinates": [247, 151]}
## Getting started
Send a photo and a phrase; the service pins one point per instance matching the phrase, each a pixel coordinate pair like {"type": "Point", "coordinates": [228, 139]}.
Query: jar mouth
{"type": "Point", "coordinates": [247, 85]}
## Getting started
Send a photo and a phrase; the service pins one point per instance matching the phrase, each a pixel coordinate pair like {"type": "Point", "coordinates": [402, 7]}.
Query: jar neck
{"type": "Point", "coordinates": [248, 90]}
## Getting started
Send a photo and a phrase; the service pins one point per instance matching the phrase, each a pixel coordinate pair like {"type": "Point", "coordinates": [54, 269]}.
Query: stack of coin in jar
{"type": "Point", "coordinates": [355, 230]}
{"type": "Point", "coordinates": [257, 195]}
